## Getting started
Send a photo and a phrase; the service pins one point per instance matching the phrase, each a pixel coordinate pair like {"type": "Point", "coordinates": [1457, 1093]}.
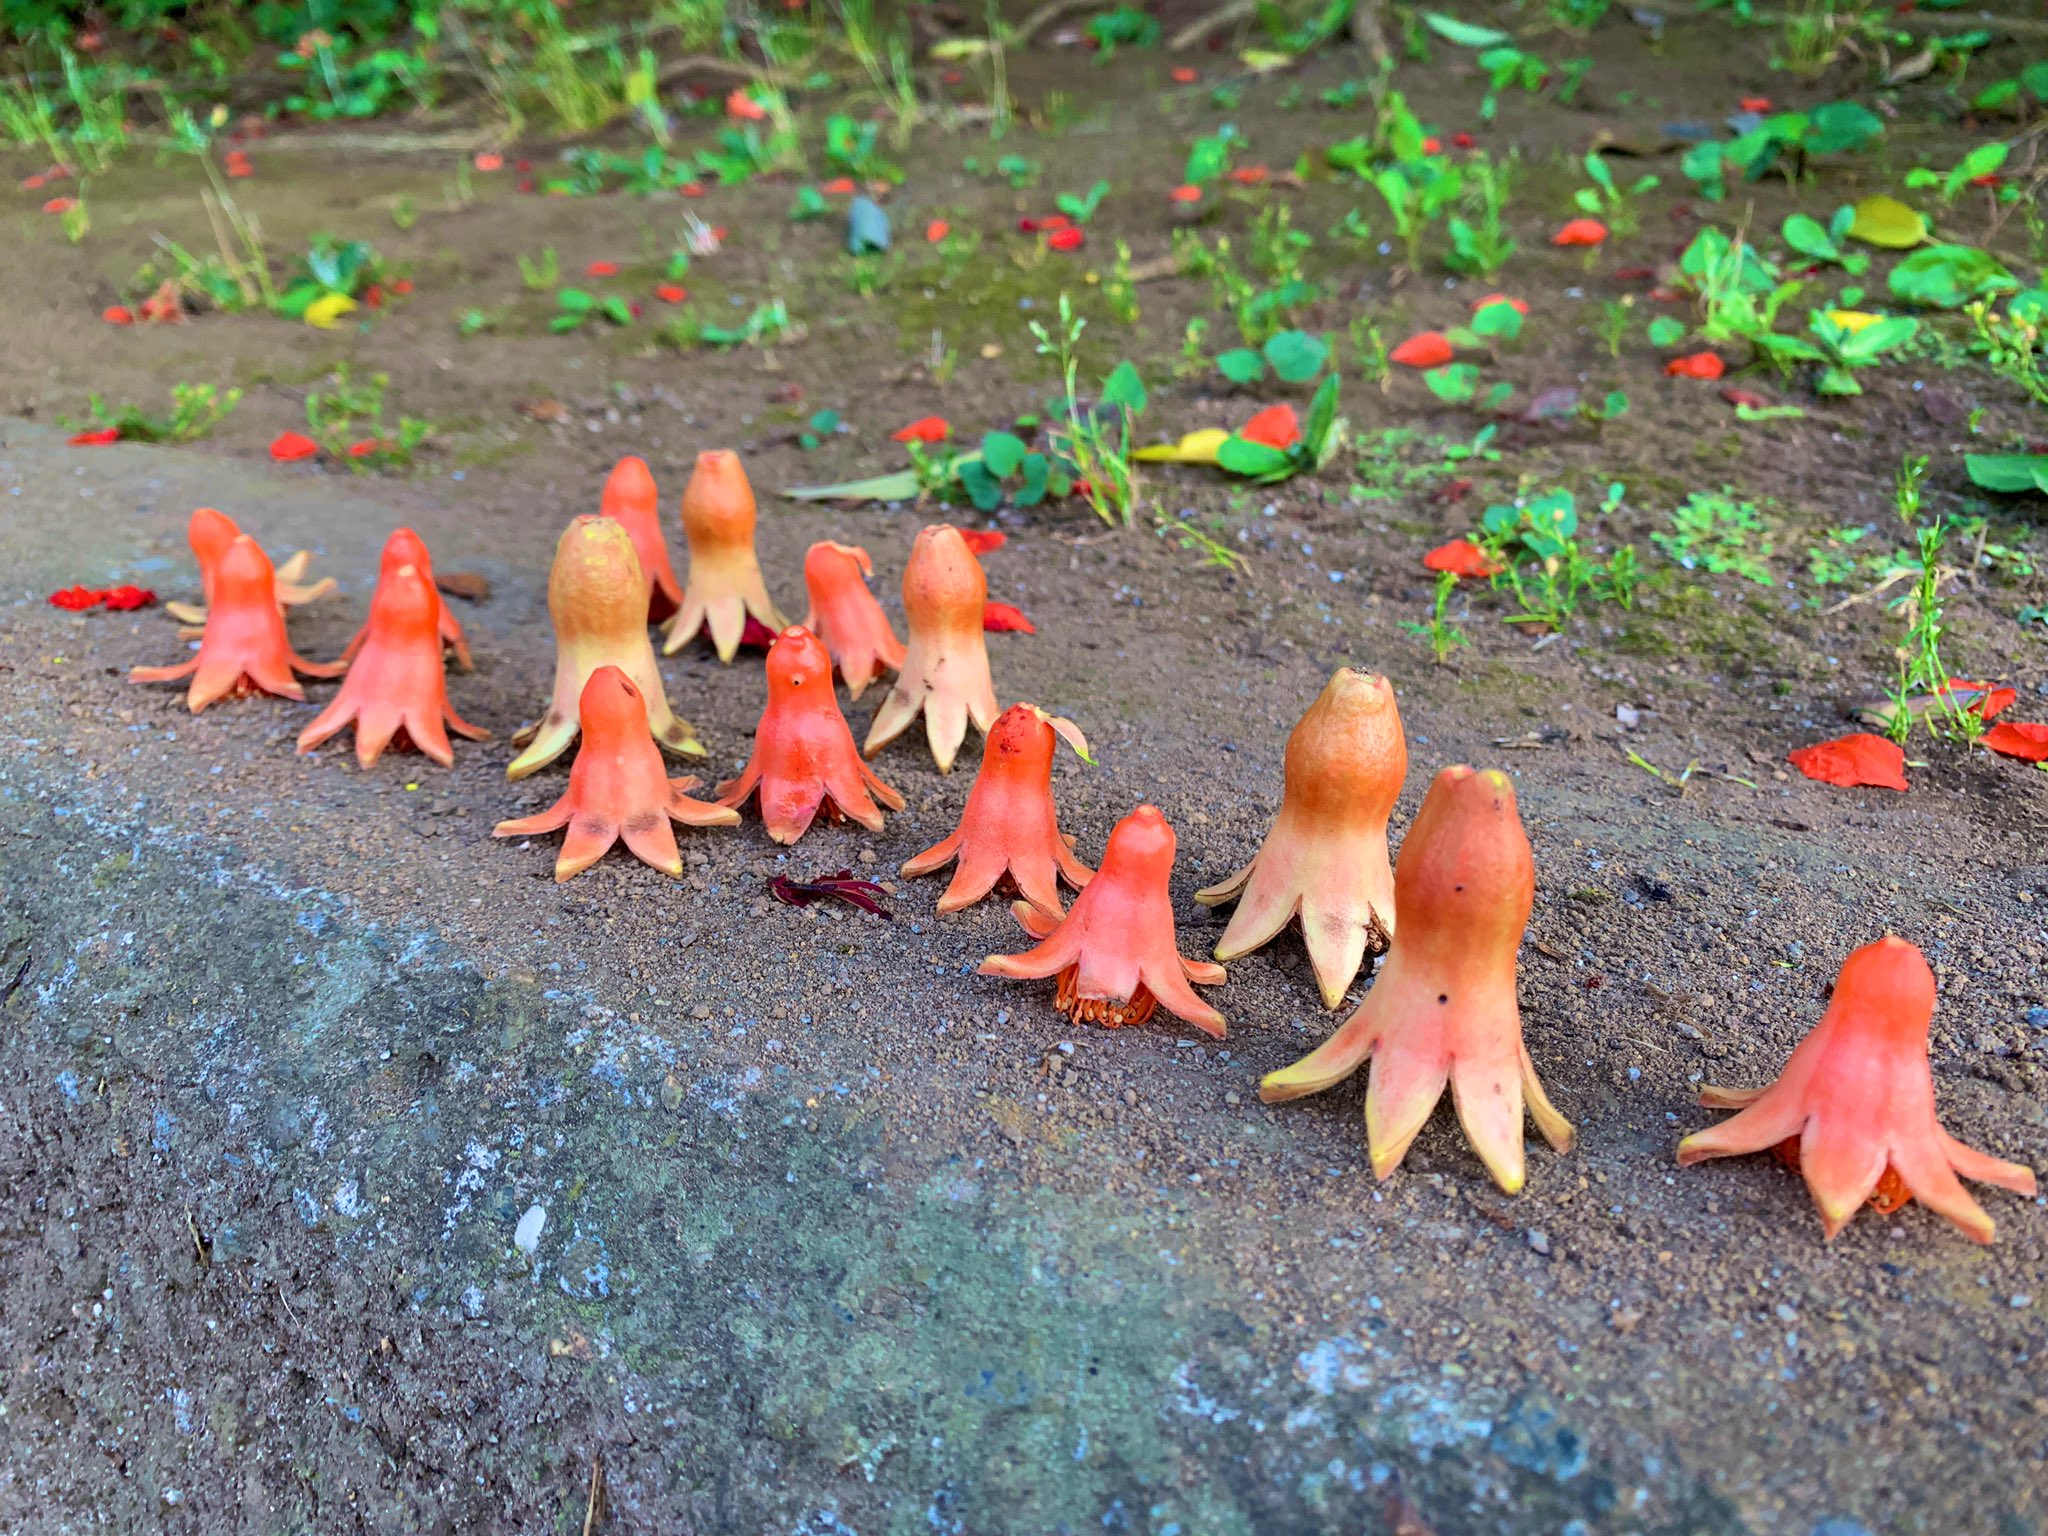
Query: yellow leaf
{"type": "Point", "coordinates": [325, 312]}
{"type": "Point", "coordinates": [1886, 221]}
{"type": "Point", "coordinates": [1853, 320]}
{"type": "Point", "coordinates": [960, 48]}
{"type": "Point", "coordinates": [1264, 60]}
{"type": "Point", "coordinates": [1196, 448]}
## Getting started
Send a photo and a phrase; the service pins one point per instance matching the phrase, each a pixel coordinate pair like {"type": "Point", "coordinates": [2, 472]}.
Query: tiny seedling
{"type": "Point", "coordinates": [1608, 200]}
{"type": "Point", "coordinates": [196, 409]}
{"type": "Point", "coordinates": [1443, 636]}
{"type": "Point", "coordinates": [539, 274]}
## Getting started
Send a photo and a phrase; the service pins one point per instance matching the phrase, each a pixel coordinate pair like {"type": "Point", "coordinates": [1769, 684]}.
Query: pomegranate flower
{"type": "Point", "coordinates": [804, 758]}
{"type": "Point", "coordinates": [630, 499]}
{"type": "Point", "coordinates": [210, 532]}
{"type": "Point", "coordinates": [845, 615]}
{"type": "Point", "coordinates": [1425, 349]}
{"type": "Point", "coordinates": [1010, 826]}
{"type": "Point", "coordinates": [405, 547]}
{"type": "Point", "coordinates": [598, 600]}
{"type": "Point", "coordinates": [618, 787]}
{"type": "Point", "coordinates": [1115, 953]}
{"type": "Point", "coordinates": [244, 649]}
{"type": "Point", "coordinates": [725, 576]}
{"type": "Point", "coordinates": [1857, 1102]}
{"type": "Point", "coordinates": [1580, 232]}
{"type": "Point", "coordinates": [945, 670]}
{"type": "Point", "coordinates": [1325, 859]}
{"type": "Point", "coordinates": [1443, 1009]}
{"type": "Point", "coordinates": [1462, 558]}
{"type": "Point", "coordinates": [396, 687]}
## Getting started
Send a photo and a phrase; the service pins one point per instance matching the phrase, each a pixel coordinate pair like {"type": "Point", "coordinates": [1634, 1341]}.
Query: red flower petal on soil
{"type": "Point", "coordinates": [1463, 140]}
{"type": "Point", "coordinates": [77, 599]}
{"type": "Point", "coordinates": [1748, 397]}
{"type": "Point", "coordinates": [1003, 619]}
{"type": "Point", "coordinates": [1425, 349]}
{"type": "Point", "coordinates": [124, 599]}
{"type": "Point", "coordinates": [2013, 738]}
{"type": "Point", "coordinates": [60, 205]}
{"type": "Point", "coordinates": [402, 286]}
{"type": "Point", "coordinates": [742, 107]}
{"type": "Point", "coordinates": [33, 183]}
{"type": "Point", "coordinates": [1580, 232]}
{"type": "Point", "coordinates": [1066, 239]}
{"type": "Point", "coordinates": [99, 437]}
{"type": "Point", "coordinates": [1185, 76]}
{"type": "Point", "coordinates": [936, 231]}
{"type": "Point", "coordinates": [1186, 193]}
{"type": "Point", "coordinates": [1250, 175]}
{"type": "Point", "coordinates": [1432, 145]}
{"type": "Point", "coordinates": [290, 447]}
{"type": "Point", "coordinates": [926, 429]}
{"type": "Point", "coordinates": [980, 541]}
{"type": "Point", "coordinates": [526, 184]}
{"type": "Point", "coordinates": [1990, 700]}
{"type": "Point", "coordinates": [488, 160]}
{"type": "Point", "coordinates": [756, 634]}
{"type": "Point", "coordinates": [1696, 365]}
{"type": "Point", "coordinates": [239, 167]}
{"type": "Point", "coordinates": [692, 189]}
{"type": "Point", "coordinates": [1519, 306]}
{"type": "Point", "coordinates": [838, 186]}
{"type": "Point", "coordinates": [671, 293]}
{"type": "Point", "coordinates": [1856, 761]}
{"type": "Point", "coordinates": [1033, 226]}
{"type": "Point", "coordinates": [365, 448]}
{"type": "Point", "coordinates": [602, 269]}
{"type": "Point", "coordinates": [1276, 426]}
{"type": "Point", "coordinates": [1461, 557]}
{"type": "Point", "coordinates": [373, 296]}
{"type": "Point", "coordinates": [1756, 103]}
{"type": "Point", "coordinates": [118, 314]}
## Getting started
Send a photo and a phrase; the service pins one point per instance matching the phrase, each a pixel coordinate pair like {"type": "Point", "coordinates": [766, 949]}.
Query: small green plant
{"type": "Point", "coordinates": [1921, 670]}
{"type": "Point", "coordinates": [1295, 357]}
{"type": "Point", "coordinates": [1095, 442]}
{"type": "Point", "coordinates": [1267, 462]}
{"type": "Point", "coordinates": [1826, 242]}
{"type": "Point", "coordinates": [1608, 200]}
{"type": "Point", "coordinates": [196, 409]}
{"type": "Point", "coordinates": [1277, 246]}
{"type": "Point", "coordinates": [1612, 327]}
{"type": "Point", "coordinates": [1120, 287]}
{"type": "Point", "coordinates": [1081, 208]}
{"type": "Point", "coordinates": [2013, 343]}
{"type": "Point", "coordinates": [1842, 343]}
{"type": "Point", "coordinates": [540, 273]}
{"type": "Point", "coordinates": [576, 308]}
{"type": "Point", "coordinates": [1481, 246]}
{"type": "Point", "coordinates": [1442, 635]}
{"type": "Point", "coordinates": [1535, 542]}
{"type": "Point", "coordinates": [1979, 163]}
{"type": "Point", "coordinates": [1713, 531]}
{"type": "Point", "coordinates": [347, 420]}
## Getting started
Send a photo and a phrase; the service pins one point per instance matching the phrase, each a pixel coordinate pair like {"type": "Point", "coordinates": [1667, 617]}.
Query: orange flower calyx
{"type": "Point", "coordinates": [845, 615]}
{"type": "Point", "coordinates": [210, 532]}
{"type": "Point", "coordinates": [244, 649]}
{"type": "Point", "coordinates": [945, 670]}
{"type": "Point", "coordinates": [630, 498]}
{"type": "Point", "coordinates": [405, 547]}
{"type": "Point", "coordinates": [1443, 1009]}
{"type": "Point", "coordinates": [1010, 826]}
{"type": "Point", "coordinates": [618, 787]}
{"type": "Point", "coordinates": [804, 757]}
{"type": "Point", "coordinates": [1857, 1100]}
{"type": "Point", "coordinates": [1115, 952]}
{"type": "Point", "coordinates": [725, 576]}
{"type": "Point", "coordinates": [396, 688]}
{"type": "Point", "coordinates": [598, 600]}
{"type": "Point", "coordinates": [1325, 859]}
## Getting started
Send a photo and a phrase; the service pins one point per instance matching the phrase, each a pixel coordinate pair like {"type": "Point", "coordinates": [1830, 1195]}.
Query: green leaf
{"type": "Point", "coordinates": [1124, 388]}
{"type": "Point", "coordinates": [1499, 320]}
{"type": "Point", "coordinates": [1254, 460]}
{"type": "Point", "coordinates": [1454, 383]}
{"type": "Point", "coordinates": [810, 204]}
{"type": "Point", "coordinates": [575, 301]}
{"type": "Point", "coordinates": [1322, 419]}
{"type": "Point", "coordinates": [1463, 33]}
{"type": "Point", "coordinates": [1837, 381]}
{"type": "Point", "coordinates": [1241, 365]}
{"type": "Point", "coordinates": [1840, 126]}
{"type": "Point", "coordinates": [899, 486]}
{"type": "Point", "coordinates": [1297, 356]}
{"type": "Point", "coordinates": [1806, 236]}
{"type": "Point", "coordinates": [982, 487]}
{"type": "Point", "coordinates": [618, 311]}
{"type": "Point", "coordinates": [2008, 473]}
{"type": "Point", "coordinates": [1003, 453]}
{"type": "Point", "coordinates": [1666, 331]}
{"type": "Point", "coordinates": [1949, 276]}
{"type": "Point", "coordinates": [867, 227]}
{"type": "Point", "coordinates": [1036, 475]}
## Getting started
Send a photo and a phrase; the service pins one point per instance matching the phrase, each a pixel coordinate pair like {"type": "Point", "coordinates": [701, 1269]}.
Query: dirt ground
{"type": "Point", "coordinates": [839, 1237]}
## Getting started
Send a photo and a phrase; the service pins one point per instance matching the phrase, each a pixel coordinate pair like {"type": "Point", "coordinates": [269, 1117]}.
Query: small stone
{"type": "Point", "coordinates": [1233, 1099]}
{"type": "Point", "coordinates": [526, 1236]}
{"type": "Point", "coordinates": [1539, 1241]}
{"type": "Point", "coordinates": [867, 856]}
{"type": "Point", "coordinates": [1131, 1097]}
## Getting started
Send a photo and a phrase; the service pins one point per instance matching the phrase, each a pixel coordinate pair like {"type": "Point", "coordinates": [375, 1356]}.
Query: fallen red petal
{"type": "Point", "coordinates": [1463, 140]}
{"type": "Point", "coordinates": [1519, 306]}
{"type": "Point", "coordinates": [2021, 739]}
{"type": "Point", "coordinates": [602, 269]}
{"type": "Point", "coordinates": [1748, 397]}
{"type": "Point", "coordinates": [290, 447]}
{"type": "Point", "coordinates": [936, 231]}
{"type": "Point", "coordinates": [1756, 103]}
{"type": "Point", "coordinates": [839, 186]}
{"type": "Point", "coordinates": [1856, 761]}
{"type": "Point", "coordinates": [1989, 700]}
{"type": "Point", "coordinates": [756, 634]}
{"type": "Point", "coordinates": [1066, 239]}
{"type": "Point", "coordinates": [488, 160]}
{"type": "Point", "coordinates": [926, 429]}
{"type": "Point", "coordinates": [1580, 232]}
{"type": "Point", "coordinates": [744, 108]}
{"type": "Point", "coordinates": [77, 599]}
{"type": "Point", "coordinates": [1276, 426]}
{"type": "Point", "coordinates": [99, 437]}
{"type": "Point", "coordinates": [1187, 192]}
{"type": "Point", "coordinates": [1697, 365]}
{"type": "Point", "coordinates": [1425, 349]}
{"type": "Point", "coordinates": [118, 314]}
{"type": "Point", "coordinates": [1461, 557]}
{"type": "Point", "coordinates": [1250, 175]}
{"type": "Point", "coordinates": [980, 541]}
{"type": "Point", "coordinates": [1001, 618]}
{"type": "Point", "coordinates": [671, 293]}
{"type": "Point", "coordinates": [1185, 76]}
{"type": "Point", "coordinates": [124, 599]}
{"type": "Point", "coordinates": [60, 205]}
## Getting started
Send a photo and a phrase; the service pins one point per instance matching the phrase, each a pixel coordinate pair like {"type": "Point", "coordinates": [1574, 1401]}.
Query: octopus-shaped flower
{"type": "Point", "coordinates": [243, 649]}
{"type": "Point", "coordinates": [631, 500]}
{"type": "Point", "coordinates": [1854, 1108]}
{"type": "Point", "coordinates": [1443, 1009]}
{"type": "Point", "coordinates": [945, 673]}
{"type": "Point", "coordinates": [405, 547]}
{"type": "Point", "coordinates": [724, 584]}
{"type": "Point", "coordinates": [845, 615]}
{"type": "Point", "coordinates": [210, 532]}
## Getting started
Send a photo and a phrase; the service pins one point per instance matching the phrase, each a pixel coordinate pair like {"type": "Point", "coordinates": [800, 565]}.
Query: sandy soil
{"type": "Point", "coordinates": [838, 1236]}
